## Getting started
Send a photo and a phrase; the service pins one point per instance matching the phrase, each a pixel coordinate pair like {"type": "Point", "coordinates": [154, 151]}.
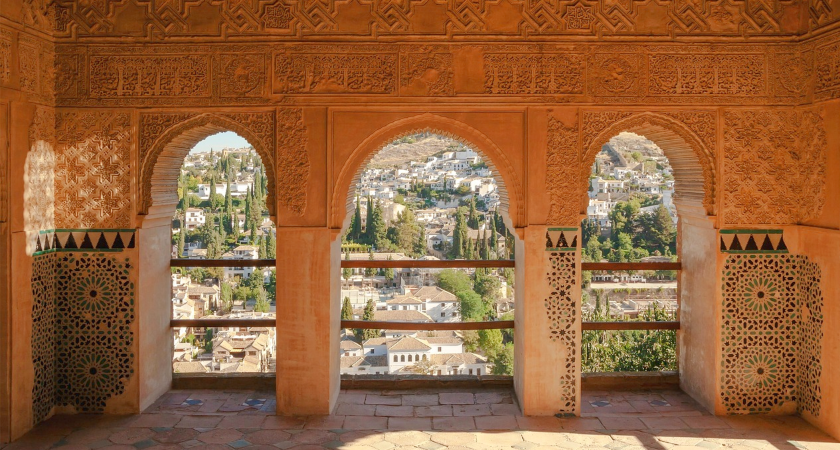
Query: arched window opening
{"type": "Point", "coordinates": [422, 201]}
{"type": "Point", "coordinates": [631, 223]}
{"type": "Point", "coordinates": [221, 235]}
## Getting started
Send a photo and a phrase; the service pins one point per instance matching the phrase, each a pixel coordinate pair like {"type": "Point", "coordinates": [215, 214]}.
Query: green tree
{"type": "Point", "coordinates": [253, 233]}
{"type": "Point", "coordinates": [472, 308]}
{"type": "Point", "coordinates": [346, 309]}
{"type": "Point", "coordinates": [214, 203]}
{"type": "Point", "coordinates": [261, 304]}
{"type": "Point", "coordinates": [271, 245]}
{"type": "Point", "coordinates": [503, 361]}
{"type": "Point", "coordinates": [488, 287]}
{"type": "Point", "coordinates": [226, 297]}
{"type": "Point", "coordinates": [368, 315]}
{"type": "Point", "coordinates": [454, 281]}
{"type": "Point", "coordinates": [490, 341]}
{"type": "Point", "coordinates": [347, 272]}
{"type": "Point", "coordinates": [592, 251]}
{"type": "Point", "coordinates": [370, 271]}
{"type": "Point", "coordinates": [419, 248]}
{"type": "Point", "coordinates": [208, 340]}
{"type": "Point", "coordinates": [356, 223]}
{"type": "Point", "coordinates": [262, 252]}
{"type": "Point", "coordinates": [181, 237]}
{"type": "Point", "coordinates": [376, 228]}
{"type": "Point", "coordinates": [459, 236]}
{"type": "Point", "coordinates": [472, 218]}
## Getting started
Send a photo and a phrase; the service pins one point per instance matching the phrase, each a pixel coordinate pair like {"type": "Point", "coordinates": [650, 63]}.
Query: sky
{"type": "Point", "coordinates": [219, 141]}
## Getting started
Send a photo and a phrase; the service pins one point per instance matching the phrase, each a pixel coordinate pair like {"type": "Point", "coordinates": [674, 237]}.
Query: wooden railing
{"type": "Point", "coordinates": [629, 267]}
{"type": "Point", "coordinates": [423, 326]}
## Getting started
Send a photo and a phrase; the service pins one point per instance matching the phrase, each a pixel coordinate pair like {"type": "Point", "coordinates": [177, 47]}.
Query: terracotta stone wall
{"type": "Point", "coordinates": [99, 106]}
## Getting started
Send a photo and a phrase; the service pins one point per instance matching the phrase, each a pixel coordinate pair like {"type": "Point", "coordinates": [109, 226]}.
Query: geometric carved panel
{"type": "Point", "coordinates": [92, 170]}
{"type": "Point", "coordinates": [561, 307]}
{"type": "Point", "coordinates": [774, 166]}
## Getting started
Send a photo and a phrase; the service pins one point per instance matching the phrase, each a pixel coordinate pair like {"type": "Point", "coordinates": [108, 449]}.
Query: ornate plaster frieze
{"type": "Point", "coordinates": [179, 19]}
{"type": "Point", "coordinates": [270, 74]}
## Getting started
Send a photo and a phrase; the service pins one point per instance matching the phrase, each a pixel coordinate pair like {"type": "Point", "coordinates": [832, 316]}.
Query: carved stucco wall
{"type": "Point", "coordinates": [153, 21]}
{"type": "Point", "coordinates": [92, 169]}
{"type": "Point", "coordinates": [774, 164]}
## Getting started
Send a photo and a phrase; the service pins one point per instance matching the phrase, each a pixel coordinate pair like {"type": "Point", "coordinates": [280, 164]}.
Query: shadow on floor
{"type": "Point", "coordinates": [423, 419]}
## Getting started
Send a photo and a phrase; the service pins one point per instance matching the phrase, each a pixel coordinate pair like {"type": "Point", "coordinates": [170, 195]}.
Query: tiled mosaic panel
{"type": "Point", "coordinates": [772, 325]}
{"type": "Point", "coordinates": [43, 335]}
{"type": "Point", "coordinates": [94, 306]}
{"type": "Point", "coordinates": [810, 363]}
{"type": "Point", "coordinates": [561, 308]}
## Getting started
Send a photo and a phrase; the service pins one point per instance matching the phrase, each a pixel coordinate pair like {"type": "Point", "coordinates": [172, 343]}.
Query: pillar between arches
{"type": "Point", "coordinates": [547, 322]}
{"type": "Point", "coordinates": [308, 378]}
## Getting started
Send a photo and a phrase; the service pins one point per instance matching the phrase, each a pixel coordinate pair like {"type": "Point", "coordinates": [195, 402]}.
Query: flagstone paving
{"type": "Point", "coordinates": [424, 420]}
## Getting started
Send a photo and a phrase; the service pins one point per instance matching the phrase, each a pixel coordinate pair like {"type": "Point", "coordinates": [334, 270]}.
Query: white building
{"type": "Point", "coordinates": [194, 218]}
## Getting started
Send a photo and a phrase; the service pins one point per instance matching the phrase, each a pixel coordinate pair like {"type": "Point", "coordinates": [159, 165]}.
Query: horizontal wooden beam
{"type": "Point", "coordinates": [222, 323]}
{"type": "Point", "coordinates": [223, 263]}
{"type": "Point", "coordinates": [631, 266]}
{"type": "Point", "coordinates": [415, 264]}
{"type": "Point", "coordinates": [591, 326]}
{"type": "Point", "coordinates": [427, 326]}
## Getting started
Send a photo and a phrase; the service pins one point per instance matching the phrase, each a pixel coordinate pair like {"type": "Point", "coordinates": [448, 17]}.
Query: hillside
{"type": "Point", "coordinates": [416, 148]}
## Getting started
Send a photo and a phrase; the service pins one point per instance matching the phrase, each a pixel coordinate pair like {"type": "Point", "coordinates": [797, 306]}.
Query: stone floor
{"type": "Point", "coordinates": [412, 420]}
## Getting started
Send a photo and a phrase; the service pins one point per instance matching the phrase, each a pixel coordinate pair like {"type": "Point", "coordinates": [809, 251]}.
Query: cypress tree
{"type": "Point", "coordinates": [248, 209]}
{"type": "Point", "coordinates": [262, 252]}
{"type": "Point", "coordinates": [213, 201]}
{"type": "Point", "coordinates": [271, 246]}
{"type": "Point", "coordinates": [472, 221]}
{"type": "Point", "coordinates": [369, 315]}
{"type": "Point", "coordinates": [459, 236]}
{"type": "Point", "coordinates": [346, 309]}
{"type": "Point", "coordinates": [369, 221]}
{"type": "Point", "coordinates": [494, 239]}
{"type": "Point", "coordinates": [356, 225]}
{"type": "Point", "coordinates": [253, 233]}
{"type": "Point", "coordinates": [181, 239]}
{"type": "Point", "coordinates": [228, 209]}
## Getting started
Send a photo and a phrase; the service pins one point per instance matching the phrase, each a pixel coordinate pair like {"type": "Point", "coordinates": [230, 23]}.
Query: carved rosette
{"type": "Point", "coordinates": [292, 160]}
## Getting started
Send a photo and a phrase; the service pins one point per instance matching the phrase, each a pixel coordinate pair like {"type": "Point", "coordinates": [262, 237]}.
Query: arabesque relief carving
{"type": "Point", "coordinates": [827, 70]}
{"type": "Point", "coordinates": [253, 74]}
{"type": "Point", "coordinates": [92, 171]}
{"type": "Point", "coordinates": [510, 73]}
{"type": "Point", "coordinates": [707, 74]}
{"type": "Point", "coordinates": [115, 76]}
{"type": "Point", "coordinates": [774, 166]}
{"type": "Point", "coordinates": [154, 21]}
{"type": "Point", "coordinates": [292, 160]}
{"type": "Point", "coordinates": [562, 172]}
{"type": "Point", "coordinates": [5, 56]}
{"type": "Point", "coordinates": [298, 73]}
{"type": "Point", "coordinates": [37, 68]}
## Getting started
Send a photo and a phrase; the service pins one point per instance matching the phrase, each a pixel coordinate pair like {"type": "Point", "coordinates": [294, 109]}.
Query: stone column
{"type": "Point", "coordinates": [698, 340]}
{"type": "Point", "coordinates": [308, 261]}
{"type": "Point", "coordinates": [547, 322]}
{"type": "Point", "coordinates": [154, 309]}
